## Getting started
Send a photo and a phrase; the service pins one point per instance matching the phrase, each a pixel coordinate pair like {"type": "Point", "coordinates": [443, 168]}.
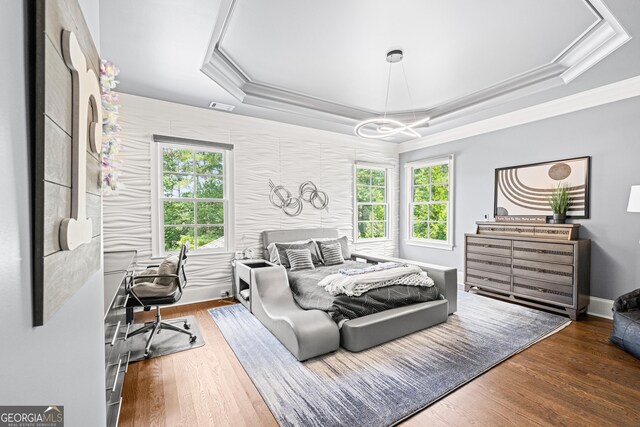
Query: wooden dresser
{"type": "Point", "coordinates": [118, 270]}
{"type": "Point", "coordinates": [544, 266]}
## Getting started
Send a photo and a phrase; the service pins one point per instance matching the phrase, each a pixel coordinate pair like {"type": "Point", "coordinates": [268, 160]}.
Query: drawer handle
{"type": "Point", "coordinates": [539, 270]}
{"type": "Point", "coordinates": [485, 246]}
{"type": "Point", "coordinates": [126, 366]}
{"type": "Point", "coordinates": [542, 290]}
{"type": "Point", "coordinates": [124, 304]}
{"type": "Point", "coordinates": [119, 403]}
{"type": "Point", "coordinates": [115, 334]}
{"type": "Point", "coordinates": [540, 251]}
{"type": "Point", "coordinates": [485, 279]}
{"type": "Point", "coordinates": [126, 332]}
{"type": "Point", "coordinates": [115, 378]}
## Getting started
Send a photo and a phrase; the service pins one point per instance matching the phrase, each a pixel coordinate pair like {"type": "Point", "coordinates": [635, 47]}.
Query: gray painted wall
{"type": "Point", "coordinates": [609, 133]}
{"type": "Point", "coordinates": [61, 362]}
{"type": "Point", "coordinates": [91, 12]}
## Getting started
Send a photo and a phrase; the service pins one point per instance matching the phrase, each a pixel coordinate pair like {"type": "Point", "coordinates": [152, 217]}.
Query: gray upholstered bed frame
{"type": "Point", "coordinates": [310, 333]}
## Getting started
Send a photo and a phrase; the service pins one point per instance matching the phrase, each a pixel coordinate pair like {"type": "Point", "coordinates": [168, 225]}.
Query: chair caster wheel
{"type": "Point", "coordinates": [193, 338]}
{"type": "Point", "coordinates": [187, 326]}
{"type": "Point", "coordinates": [147, 355]}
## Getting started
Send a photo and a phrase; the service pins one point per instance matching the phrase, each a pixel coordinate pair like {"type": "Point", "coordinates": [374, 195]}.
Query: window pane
{"type": "Point", "coordinates": [379, 213]}
{"type": "Point", "coordinates": [210, 187]}
{"type": "Point", "coordinates": [364, 212]}
{"type": "Point", "coordinates": [438, 231]}
{"type": "Point", "coordinates": [210, 213]}
{"type": "Point", "coordinates": [175, 160]}
{"type": "Point", "coordinates": [178, 213]}
{"type": "Point", "coordinates": [377, 177]}
{"type": "Point", "coordinates": [421, 230]}
{"type": "Point", "coordinates": [363, 194]}
{"type": "Point", "coordinates": [378, 229]}
{"type": "Point", "coordinates": [421, 176]}
{"type": "Point", "coordinates": [175, 237]}
{"type": "Point", "coordinates": [440, 174]}
{"type": "Point", "coordinates": [420, 212]}
{"type": "Point", "coordinates": [363, 176]}
{"type": "Point", "coordinates": [377, 194]}
{"type": "Point", "coordinates": [439, 193]}
{"type": "Point", "coordinates": [364, 230]}
{"type": "Point", "coordinates": [421, 194]}
{"type": "Point", "coordinates": [438, 212]}
{"type": "Point", "coordinates": [208, 163]}
{"type": "Point", "coordinates": [177, 185]}
{"type": "Point", "coordinates": [210, 237]}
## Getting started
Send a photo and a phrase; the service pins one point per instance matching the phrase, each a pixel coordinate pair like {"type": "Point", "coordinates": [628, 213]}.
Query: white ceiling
{"type": "Point", "coordinates": [335, 51]}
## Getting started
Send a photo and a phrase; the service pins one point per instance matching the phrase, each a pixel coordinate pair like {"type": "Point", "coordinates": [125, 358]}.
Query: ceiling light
{"type": "Point", "coordinates": [385, 127]}
{"type": "Point", "coordinates": [220, 106]}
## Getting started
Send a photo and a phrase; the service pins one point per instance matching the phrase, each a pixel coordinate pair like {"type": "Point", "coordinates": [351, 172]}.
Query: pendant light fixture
{"type": "Point", "coordinates": [385, 127]}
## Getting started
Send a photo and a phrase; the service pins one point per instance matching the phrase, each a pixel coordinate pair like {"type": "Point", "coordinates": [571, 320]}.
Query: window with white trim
{"type": "Point", "coordinates": [192, 193]}
{"type": "Point", "coordinates": [430, 195]}
{"type": "Point", "coordinates": [371, 218]}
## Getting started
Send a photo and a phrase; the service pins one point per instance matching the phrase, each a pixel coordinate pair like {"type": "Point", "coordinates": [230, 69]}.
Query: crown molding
{"type": "Point", "coordinates": [603, 37]}
{"type": "Point", "coordinates": [613, 92]}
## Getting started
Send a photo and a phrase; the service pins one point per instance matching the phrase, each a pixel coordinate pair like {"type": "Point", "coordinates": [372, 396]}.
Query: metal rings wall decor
{"type": "Point", "coordinates": [282, 198]}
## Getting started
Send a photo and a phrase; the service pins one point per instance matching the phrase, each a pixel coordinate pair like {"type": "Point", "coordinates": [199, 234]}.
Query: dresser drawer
{"type": "Point", "coordinates": [498, 247]}
{"type": "Point", "coordinates": [539, 251]}
{"type": "Point", "coordinates": [553, 292]}
{"type": "Point", "coordinates": [485, 279]}
{"type": "Point", "coordinates": [557, 273]}
{"type": "Point", "coordinates": [543, 232]}
{"type": "Point", "coordinates": [490, 263]}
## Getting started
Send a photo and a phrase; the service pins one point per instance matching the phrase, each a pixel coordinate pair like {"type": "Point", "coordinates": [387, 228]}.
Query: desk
{"type": "Point", "coordinates": [118, 270]}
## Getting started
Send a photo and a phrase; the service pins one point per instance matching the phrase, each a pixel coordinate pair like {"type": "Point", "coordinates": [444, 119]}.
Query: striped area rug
{"type": "Point", "coordinates": [383, 385]}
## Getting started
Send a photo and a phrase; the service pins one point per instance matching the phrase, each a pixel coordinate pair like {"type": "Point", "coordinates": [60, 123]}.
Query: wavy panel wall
{"type": "Point", "coordinates": [263, 150]}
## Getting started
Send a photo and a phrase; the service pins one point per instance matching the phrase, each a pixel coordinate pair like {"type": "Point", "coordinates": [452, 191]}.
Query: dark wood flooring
{"type": "Point", "coordinates": [573, 378]}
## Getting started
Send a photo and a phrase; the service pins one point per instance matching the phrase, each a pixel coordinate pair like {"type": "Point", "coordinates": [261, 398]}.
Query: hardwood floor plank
{"type": "Point", "coordinates": [575, 377]}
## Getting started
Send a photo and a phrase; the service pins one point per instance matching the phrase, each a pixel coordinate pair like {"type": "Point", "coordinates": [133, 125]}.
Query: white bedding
{"type": "Point", "coordinates": [358, 284]}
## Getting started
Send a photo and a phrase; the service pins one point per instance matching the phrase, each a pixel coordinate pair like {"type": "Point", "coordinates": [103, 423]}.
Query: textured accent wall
{"type": "Point", "coordinates": [263, 150]}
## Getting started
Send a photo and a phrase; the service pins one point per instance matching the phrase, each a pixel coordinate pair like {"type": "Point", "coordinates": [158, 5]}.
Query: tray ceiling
{"type": "Point", "coordinates": [328, 61]}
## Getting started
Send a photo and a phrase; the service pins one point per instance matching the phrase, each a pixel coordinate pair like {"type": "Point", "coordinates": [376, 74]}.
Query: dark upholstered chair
{"type": "Point", "coordinates": [626, 323]}
{"type": "Point", "coordinates": [160, 285]}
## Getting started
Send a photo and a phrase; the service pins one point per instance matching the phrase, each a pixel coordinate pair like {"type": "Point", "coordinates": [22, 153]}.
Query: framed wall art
{"type": "Point", "coordinates": [67, 179]}
{"type": "Point", "coordinates": [524, 190]}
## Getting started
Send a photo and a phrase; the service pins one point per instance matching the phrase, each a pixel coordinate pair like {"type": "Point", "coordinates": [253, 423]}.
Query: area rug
{"type": "Point", "coordinates": [386, 384]}
{"type": "Point", "coordinates": [166, 342]}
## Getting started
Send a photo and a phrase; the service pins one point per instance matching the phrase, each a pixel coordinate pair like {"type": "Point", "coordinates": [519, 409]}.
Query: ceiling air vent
{"type": "Point", "coordinates": [221, 106]}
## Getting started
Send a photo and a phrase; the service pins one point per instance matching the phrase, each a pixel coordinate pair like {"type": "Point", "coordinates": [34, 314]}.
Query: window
{"type": "Point", "coordinates": [430, 195]}
{"type": "Point", "coordinates": [371, 208]}
{"type": "Point", "coordinates": [192, 198]}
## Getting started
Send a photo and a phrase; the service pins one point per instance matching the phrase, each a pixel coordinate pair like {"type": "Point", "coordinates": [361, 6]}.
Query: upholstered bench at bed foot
{"type": "Point", "coordinates": [368, 331]}
{"type": "Point", "coordinates": [305, 333]}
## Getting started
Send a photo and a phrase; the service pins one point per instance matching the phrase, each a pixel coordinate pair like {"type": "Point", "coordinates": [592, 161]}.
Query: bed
{"type": "Point", "coordinates": [305, 319]}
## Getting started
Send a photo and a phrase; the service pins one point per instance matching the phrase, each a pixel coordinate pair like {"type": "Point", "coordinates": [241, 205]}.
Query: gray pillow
{"type": "Point", "coordinates": [300, 259]}
{"type": "Point", "coordinates": [168, 266]}
{"type": "Point", "coordinates": [332, 254]}
{"type": "Point", "coordinates": [310, 245]}
{"type": "Point", "coordinates": [344, 244]}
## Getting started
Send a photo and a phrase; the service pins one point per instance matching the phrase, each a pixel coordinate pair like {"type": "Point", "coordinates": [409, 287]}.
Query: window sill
{"type": "Point", "coordinates": [194, 253]}
{"type": "Point", "coordinates": [385, 239]}
{"type": "Point", "coordinates": [432, 245]}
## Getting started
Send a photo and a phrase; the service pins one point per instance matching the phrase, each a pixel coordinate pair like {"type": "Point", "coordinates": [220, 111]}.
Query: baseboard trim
{"type": "Point", "coordinates": [600, 307]}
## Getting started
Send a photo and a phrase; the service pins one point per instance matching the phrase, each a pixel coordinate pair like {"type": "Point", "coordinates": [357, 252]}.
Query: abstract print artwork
{"type": "Point", "coordinates": [525, 190]}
